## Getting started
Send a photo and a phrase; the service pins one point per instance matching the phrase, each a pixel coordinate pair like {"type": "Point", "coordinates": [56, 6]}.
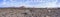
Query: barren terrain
{"type": "Point", "coordinates": [29, 12]}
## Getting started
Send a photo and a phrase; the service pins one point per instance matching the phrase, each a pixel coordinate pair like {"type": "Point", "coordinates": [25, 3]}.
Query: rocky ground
{"type": "Point", "coordinates": [37, 12]}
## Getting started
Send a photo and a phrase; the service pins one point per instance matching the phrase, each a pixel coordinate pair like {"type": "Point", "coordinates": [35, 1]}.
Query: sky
{"type": "Point", "coordinates": [30, 3]}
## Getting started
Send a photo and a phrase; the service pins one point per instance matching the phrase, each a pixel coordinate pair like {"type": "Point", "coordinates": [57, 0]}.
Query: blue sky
{"type": "Point", "coordinates": [30, 3]}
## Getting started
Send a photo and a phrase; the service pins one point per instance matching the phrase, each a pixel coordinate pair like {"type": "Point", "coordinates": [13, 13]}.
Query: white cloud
{"type": "Point", "coordinates": [42, 5]}
{"type": "Point", "coordinates": [4, 0]}
{"type": "Point", "coordinates": [47, 4]}
{"type": "Point", "coordinates": [13, 0]}
{"type": "Point", "coordinates": [4, 3]}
